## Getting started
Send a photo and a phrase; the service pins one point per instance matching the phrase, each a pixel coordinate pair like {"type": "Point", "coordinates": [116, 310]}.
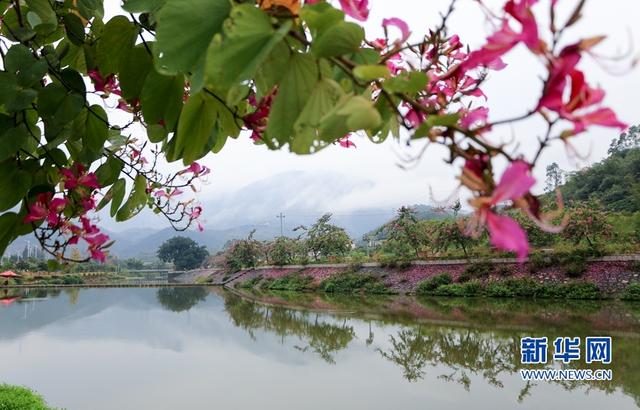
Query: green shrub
{"type": "Point", "coordinates": [582, 290]}
{"type": "Point", "coordinates": [464, 277]}
{"type": "Point", "coordinates": [503, 270]}
{"type": "Point", "coordinates": [293, 282]}
{"type": "Point", "coordinates": [498, 290]}
{"type": "Point", "coordinates": [632, 292]}
{"type": "Point", "coordinates": [574, 263]}
{"type": "Point", "coordinates": [20, 398]}
{"type": "Point", "coordinates": [429, 285]}
{"type": "Point", "coordinates": [479, 269]}
{"type": "Point", "coordinates": [249, 283]}
{"type": "Point", "coordinates": [471, 288]}
{"type": "Point", "coordinates": [72, 280]}
{"type": "Point", "coordinates": [351, 282]}
{"type": "Point", "coordinates": [635, 266]}
{"type": "Point", "coordinates": [538, 261]}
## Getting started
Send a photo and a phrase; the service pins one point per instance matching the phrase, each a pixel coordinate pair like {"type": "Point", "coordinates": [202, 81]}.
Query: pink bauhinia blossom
{"type": "Point", "coordinates": [400, 25]}
{"type": "Point", "coordinates": [168, 195]}
{"type": "Point", "coordinates": [76, 176]}
{"type": "Point", "coordinates": [345, 142]}
{"type": "Point", "coordinates": [358, 9]}
{"type": "Point", "coordinates": [196, 169]}
{"type": "Point", "coordinates": [472, 117]}
{"type": "Point", "coordinates": [106, 85]}
{"type": "Point", "coordinates": [515, 183]}
{"type": "Point", "coordinates": [46, 207]}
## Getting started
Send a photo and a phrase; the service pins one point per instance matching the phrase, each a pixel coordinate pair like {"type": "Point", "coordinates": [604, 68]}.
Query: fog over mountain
{"type": "Point", "coordinates": [301, 196]}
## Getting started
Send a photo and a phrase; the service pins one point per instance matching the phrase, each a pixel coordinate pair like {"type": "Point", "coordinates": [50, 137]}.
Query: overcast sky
{"type": "Point", "coordinates": [510, 92]}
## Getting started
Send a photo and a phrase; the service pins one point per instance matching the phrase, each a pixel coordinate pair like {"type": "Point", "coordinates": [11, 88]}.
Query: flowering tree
{"type": "Point", "coordinates": [404, 233]}
{"type": "Point", "coordinates": [587, 221]}
{"type": "Point", "coordinates": [323, 239]}
{"type": "Point", "coordinates": [89, 109]}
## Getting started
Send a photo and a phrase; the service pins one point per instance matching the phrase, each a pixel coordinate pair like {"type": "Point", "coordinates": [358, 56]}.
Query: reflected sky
{"type": "Point", "coordinates": [203, 348]}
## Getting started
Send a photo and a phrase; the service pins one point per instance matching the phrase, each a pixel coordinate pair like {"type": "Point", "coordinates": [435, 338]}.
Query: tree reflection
{"type": "Point", "coordinates": [182, 298]}
{"type": "Point", "coordinates": [317, 336]}
{"type": "Point", "coordinates": [482, 341]}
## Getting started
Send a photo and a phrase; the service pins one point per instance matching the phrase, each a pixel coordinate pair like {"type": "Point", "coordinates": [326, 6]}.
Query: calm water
{"type": "Point", "coordinates": [203, 348]}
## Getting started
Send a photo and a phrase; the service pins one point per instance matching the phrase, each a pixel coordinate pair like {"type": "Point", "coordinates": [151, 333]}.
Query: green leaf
{"type": "Point", "coordinates": [353, 113]}
{"type": "Point", "coordinates": [249, 38]}
{"type": "Point", "coordinates": [444, 120]}
{"type": "Point", "coordinates": [161, 98]}
{"type": "Point", "coordinates": [14, 184]}
{"type": "Point", "coordinates": [320, 16]}
{"type": "Point", "coordinates": [57, 105]}
{"type": "Point", "coordinates": [91, 8]}
{"type": "Point", "coordinates": [185, 29]}
{"type": "Point", "coordinates": [370, 72]}
{"type": "Point", "coordinates": [74, 28]}
{"type": "Point", "coordinates": [142, 6]}
{"type": "Point", "coordinates": [339, 39]}
{"type": "Point", "coordinates": [137, 200]}
{"type": "Point", "coordinates": [29, 70]}
{"type": "Point", "coordinates": [8, 221]}
{"type": "Point", "coordinates": [73, 80]}
{"type": "Point", "coordinates": [195, 126]}
{"type": "Point", "coordinates": [12, 96]}
{"type": "Point", "coordinates": [12, 140]}
{"type": "Point", "coordinates": [323, 99]}
{"type": "Point", "coordinates": [109, 171]}
{"type": "Point", "coordinates": [118, 37]}
{"type": "Point", "coordinates": [117, 196]}
{"type": "Point", "coordinates": [295, 89]}
{"type": "Point", "coordinates": [134, 68]}
{"type": "Point", "coordinates": [408, 82]}
{"type": "Point", "coordinates": [270, 72]}
{"type": "Point", "coordinates": [156, 133]}
{"type": "Point", "coordinates": [41, 16]}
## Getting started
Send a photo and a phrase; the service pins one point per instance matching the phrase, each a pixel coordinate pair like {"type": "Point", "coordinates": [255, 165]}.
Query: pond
{"type": "Point", "coordinates": [203, 348]}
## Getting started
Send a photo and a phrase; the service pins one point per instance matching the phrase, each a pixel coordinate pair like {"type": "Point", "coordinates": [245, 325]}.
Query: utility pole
{"type": "Point", "coordinates": [281, 216]}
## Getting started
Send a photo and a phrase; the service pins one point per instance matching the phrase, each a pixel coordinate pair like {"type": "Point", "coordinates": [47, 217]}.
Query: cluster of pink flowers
{"type": "Point", "coordinates": [109, 85]}
{"type": "Point", "coordinates": [257, 120]}
{"type": "Point", "coordinates": [78, 190]}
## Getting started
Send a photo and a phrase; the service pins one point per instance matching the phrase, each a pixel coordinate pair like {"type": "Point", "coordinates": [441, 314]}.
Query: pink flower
{"type": "Point", "coordinates": [515, 183]}
{"type": "Point", "coordinates": [163, 194]}
{"type": "Point", "coordinates": [506, 234]}
{"type": "Point", "coordinates": [581, 97]}
{"type": "Point", "coordinates": [46, 207]}
{"type": "Point", "coordinates": [401, 25]}
{"type": "Point", "coordinates": [196, 169]}
{"type": "Point", "coordinates": [76, 176]}
{"type": "Point", "coordinates": [196, 212]}
{"type": "Point", "coordinates": [345, 142]}
{"type": "Point", "coordinates": [503, 40]}
{"type": "Point", "coordinates": [474, 116]}
{"type": "Point", "coordinates": [106, 85]}
{"type": "Point", "coordinates": [358, 9]}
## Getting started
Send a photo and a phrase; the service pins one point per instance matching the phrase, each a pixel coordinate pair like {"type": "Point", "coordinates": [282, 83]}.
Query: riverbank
{"type": "Point", "coordinates": [611, 276]}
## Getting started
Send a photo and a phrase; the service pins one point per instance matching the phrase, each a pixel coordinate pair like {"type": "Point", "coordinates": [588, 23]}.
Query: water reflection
{"type": "Point", "coordinates": [182, 298]}
{"type": "Point", "coordinates": [392, 352]}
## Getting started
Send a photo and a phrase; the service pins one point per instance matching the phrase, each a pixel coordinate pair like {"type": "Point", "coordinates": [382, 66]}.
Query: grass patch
{"type": "Point", "coordinates": [296, 283]}
{"type": "Point", "coordinates": [632, 292]}
{"type": "Point", "coordinates": [526, 288]}
{"type": "Point", "coordinates": [20, 398]}
{"type": "Point", "coordinates": [249, 283]}
{"type": "Point", "coordinates": [429, 285]}
{"type": "Point", "coordinates": [352, 283]}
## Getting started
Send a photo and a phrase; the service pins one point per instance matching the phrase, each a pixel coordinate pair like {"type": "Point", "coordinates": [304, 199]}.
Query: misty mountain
{"type": "Point", "coordinates": [302, 197]}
